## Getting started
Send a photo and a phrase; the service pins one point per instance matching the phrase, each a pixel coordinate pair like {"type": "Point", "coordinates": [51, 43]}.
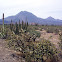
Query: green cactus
{"type": "Point", "coordinates": [2, 32]}
{"type": "Point", "coordinates": [19, 25]}
{"type": "Point", "coordinates": [17, 29]}
{"type": "Point", "coordinates": [11, 25]}
{"type": "Point", "coordinates": [3, 24]}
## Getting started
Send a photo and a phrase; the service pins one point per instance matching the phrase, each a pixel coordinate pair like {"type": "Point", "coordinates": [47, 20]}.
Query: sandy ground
{"type": "Point", "coordinates": [50, 36]}
{"type": "Point", "coordinates": [7, 55]}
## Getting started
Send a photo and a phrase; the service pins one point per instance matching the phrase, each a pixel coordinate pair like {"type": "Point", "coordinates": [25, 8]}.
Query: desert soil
{"type": "Point", "coordinates": [50, 36]}
{"type": "Point", "coordinates": [7, 55]}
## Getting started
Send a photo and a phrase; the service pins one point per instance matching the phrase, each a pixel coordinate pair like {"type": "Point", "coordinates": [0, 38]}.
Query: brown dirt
{"type": "Point", "coordinates": [7, 55]}
{"type": "Point", "coordinates": [50, 36]}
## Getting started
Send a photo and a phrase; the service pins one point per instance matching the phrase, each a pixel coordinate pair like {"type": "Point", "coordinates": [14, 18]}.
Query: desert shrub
{"type": "Point", "coordinates": [60, 43]}
{"type": "Point", "coordinates": [49, 30]}
{"type": "Point", "coordinates": [41, 52]}
{"type": "Point", "coordinates": [52, 30]}
{"type": "Point", "coordinates": [56, 31]}
{"type": "Point", "coordinates": [32, 32]}
{"type": "Point", "coordinates": [41, 29]}
{"type": "Point", "coordinates": [19, 41]}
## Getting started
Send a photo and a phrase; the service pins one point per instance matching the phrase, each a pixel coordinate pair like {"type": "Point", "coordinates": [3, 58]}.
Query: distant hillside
{"type": "Point", "coordinates": [25, 16]}
{"type": "Point", "coordinates": [6, 22]}
{"type": "Point", "coordinates": [31, 18]}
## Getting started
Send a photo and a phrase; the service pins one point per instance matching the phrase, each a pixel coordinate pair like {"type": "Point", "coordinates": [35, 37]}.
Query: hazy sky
{"type": "Point", "coordinates": [40, 8]}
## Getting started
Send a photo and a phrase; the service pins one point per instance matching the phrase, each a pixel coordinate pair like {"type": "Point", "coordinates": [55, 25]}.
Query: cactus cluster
{"type": "Point", "coordinates": [2, 34]}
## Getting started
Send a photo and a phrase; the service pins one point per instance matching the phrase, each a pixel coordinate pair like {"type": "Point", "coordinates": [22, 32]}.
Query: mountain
{"type": "Point", "coordinates": [31, 18]}
{"type": "Point", "coordinates": [51, 21]}
{"type": "Point", "coordinates": [25, 16]}
{"type": "Point", "coordinates": [50, 18]}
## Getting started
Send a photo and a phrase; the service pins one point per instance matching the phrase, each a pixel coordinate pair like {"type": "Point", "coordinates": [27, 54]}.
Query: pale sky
{"type": "Point", "coordinates": [40, 8]}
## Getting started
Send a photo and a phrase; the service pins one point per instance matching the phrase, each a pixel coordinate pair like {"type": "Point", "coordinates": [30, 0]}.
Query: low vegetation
{"type": "Point", "coordinates": [22, 38]}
